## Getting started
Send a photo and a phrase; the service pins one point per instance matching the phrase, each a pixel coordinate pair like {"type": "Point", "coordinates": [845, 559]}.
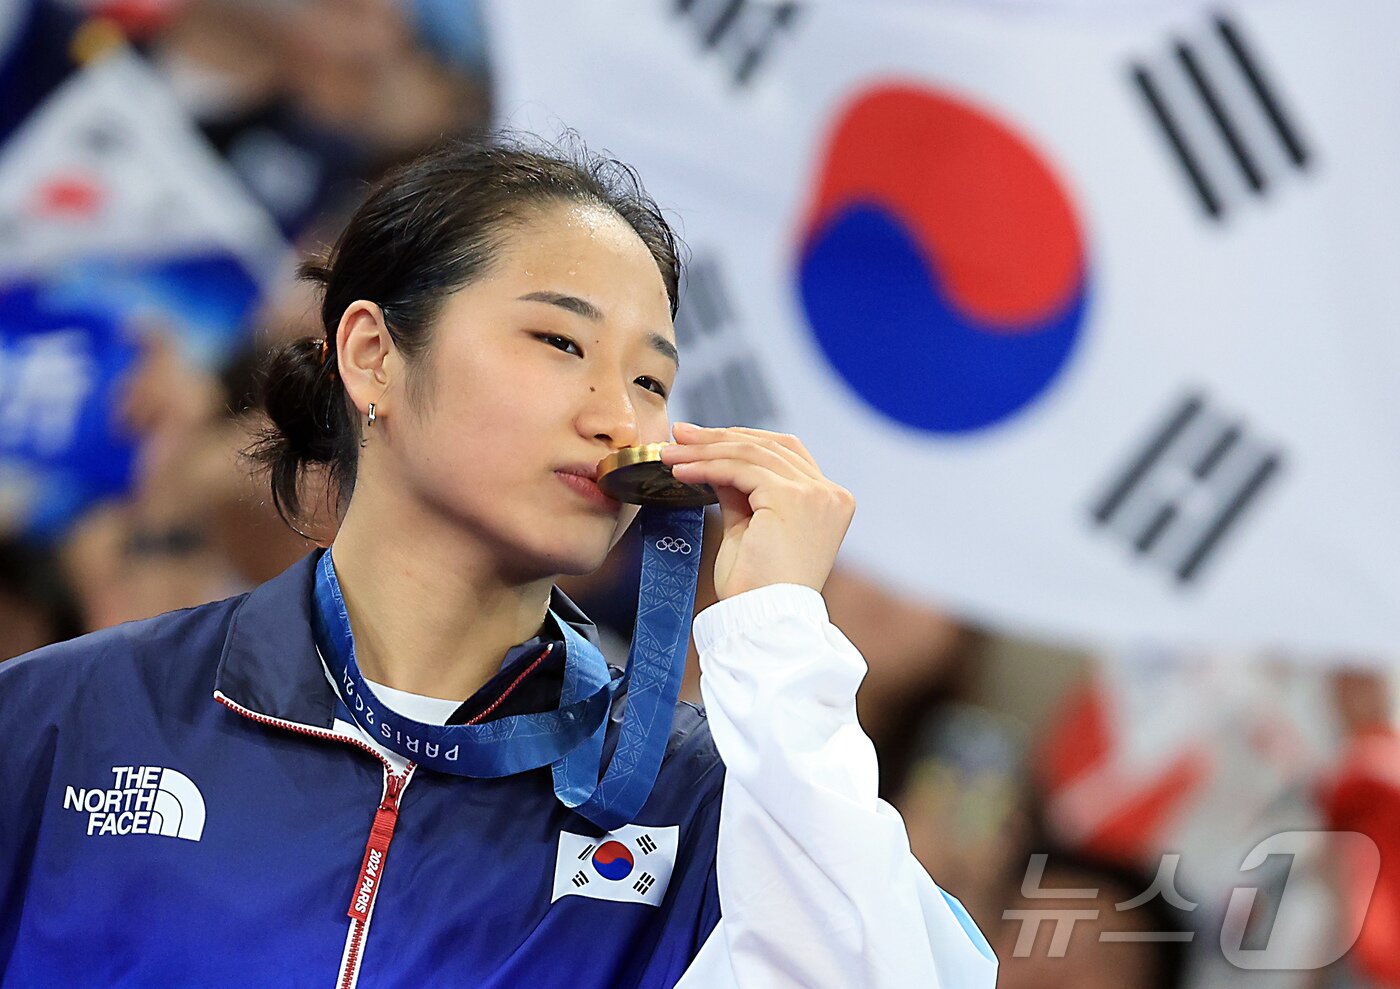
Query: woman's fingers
{"type": "Point", "coordinates": [742, 475]}
{"type": "Point", "coordinates": [743, 450]}
{"type": "Point", "coordinates": [786, 440]}
{"type": "Point", "coordinates": [783, 519]}
{"type": "Point", "coordinates": [788, 448]}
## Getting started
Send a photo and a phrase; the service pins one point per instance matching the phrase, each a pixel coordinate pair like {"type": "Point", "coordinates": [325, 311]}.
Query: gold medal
{"type": "Point", "coordinates": [637, 476]}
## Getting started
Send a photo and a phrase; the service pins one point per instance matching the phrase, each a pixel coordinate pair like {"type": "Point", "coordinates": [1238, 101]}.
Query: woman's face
{"type": "Point", "coordinates": [561, 353]}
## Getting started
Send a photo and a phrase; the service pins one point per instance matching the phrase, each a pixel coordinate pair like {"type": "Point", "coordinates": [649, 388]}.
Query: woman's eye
{"type": "Point", "coordinates": [568, 346]}
{"type": "Point", "coordinates": [555, 340]}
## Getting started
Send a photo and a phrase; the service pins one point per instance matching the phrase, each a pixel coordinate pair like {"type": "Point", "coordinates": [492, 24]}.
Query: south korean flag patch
{"type": "Point", "coordinates": [630, 865]}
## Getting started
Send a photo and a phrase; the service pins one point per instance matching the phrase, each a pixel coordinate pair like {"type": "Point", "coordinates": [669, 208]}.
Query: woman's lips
{"type": "Point", "coordinates": [590, 490]}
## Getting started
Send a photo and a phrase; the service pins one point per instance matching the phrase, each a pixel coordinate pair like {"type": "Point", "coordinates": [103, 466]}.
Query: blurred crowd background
{"type": "Point", "coordinates": [1034, 780]}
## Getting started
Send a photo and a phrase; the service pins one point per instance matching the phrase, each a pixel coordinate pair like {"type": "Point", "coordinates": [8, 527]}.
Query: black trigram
{"type": "Point", "coordinates": [580, 879]}
{"type": "Point", "coordinates": [644, 884]}
{"type": "Point", "coordinates": [704, 310]}
{"type": "Point", "coordinates": [741, 31]}
{"type": "Point", "coordinates": [722, 384]}
{"type": "Point", "coordinates": [730, 394]}
{"type": "Point", "coordinates": [586, 852]}
{"type": "Point", "coordinates": [1189, 484]}
{"type": "Point", "coordinates": [1222, 118]}
{"type": "Point", "coordinates": [646, 844]}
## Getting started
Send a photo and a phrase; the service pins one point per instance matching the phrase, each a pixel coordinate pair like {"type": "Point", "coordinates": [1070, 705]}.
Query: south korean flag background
{"type": "Point", "coordinates": [630, 865]}
{"type": "Point", "coordinates": [1093, 306]}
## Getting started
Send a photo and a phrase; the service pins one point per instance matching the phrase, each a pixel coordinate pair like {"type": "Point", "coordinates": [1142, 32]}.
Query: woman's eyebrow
{"type": "Point", "coordinates": [664, 347]}
{"type": "Point", "coordinates": [573, 303]}
{"type": "Point", "coordinates": [586, 309]}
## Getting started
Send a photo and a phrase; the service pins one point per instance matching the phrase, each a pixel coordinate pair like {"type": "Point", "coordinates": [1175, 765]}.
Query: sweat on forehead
{"type": "Point", "coordinates": [570, 229]}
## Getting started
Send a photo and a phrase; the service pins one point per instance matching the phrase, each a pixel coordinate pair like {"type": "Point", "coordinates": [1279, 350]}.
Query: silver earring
{"type": "Point", "coordinates": [364, 440]}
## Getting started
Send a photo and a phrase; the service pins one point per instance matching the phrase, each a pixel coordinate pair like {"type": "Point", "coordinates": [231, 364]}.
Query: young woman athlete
{"type": "Point", "coordinates": [383, 766]}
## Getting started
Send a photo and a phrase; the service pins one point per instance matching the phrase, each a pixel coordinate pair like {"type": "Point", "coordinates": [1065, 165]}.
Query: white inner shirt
{"type": "Point", "coordinates": [415, 707]}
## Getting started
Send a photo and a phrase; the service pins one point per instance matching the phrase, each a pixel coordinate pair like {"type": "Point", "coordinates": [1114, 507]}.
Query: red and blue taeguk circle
{"type": "Point", "coordinates": [612, 860]}
{"type": "Point", "coordinates": [942, 267]}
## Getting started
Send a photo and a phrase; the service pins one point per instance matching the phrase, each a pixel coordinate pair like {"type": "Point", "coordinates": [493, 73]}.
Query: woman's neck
{"type": "Point", "coordinates": [429, 609]}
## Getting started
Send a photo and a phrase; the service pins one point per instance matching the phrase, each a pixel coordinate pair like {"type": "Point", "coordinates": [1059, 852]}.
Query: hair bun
{"type": "Point", "coordinates": [308, 421]}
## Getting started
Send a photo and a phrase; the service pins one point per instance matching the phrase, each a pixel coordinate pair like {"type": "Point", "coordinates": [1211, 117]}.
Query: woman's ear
{"type": "Point", "coordinates": [366, 354]}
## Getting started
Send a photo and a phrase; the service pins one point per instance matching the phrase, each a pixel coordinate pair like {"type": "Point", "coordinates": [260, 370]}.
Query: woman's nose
{"type": "Point", "coordinates": [608, 414]}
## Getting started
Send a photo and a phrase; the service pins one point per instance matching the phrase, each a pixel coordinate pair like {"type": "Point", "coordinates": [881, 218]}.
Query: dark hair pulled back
{"type": "Point", "coordinates": [426, 229]}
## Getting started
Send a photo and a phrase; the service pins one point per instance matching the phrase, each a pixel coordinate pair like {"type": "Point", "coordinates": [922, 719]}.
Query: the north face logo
{"type": "Point", "coordinates": [144, 800]}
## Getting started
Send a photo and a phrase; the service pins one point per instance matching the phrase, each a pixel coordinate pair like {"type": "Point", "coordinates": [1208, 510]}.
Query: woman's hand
{"type": "Point", "coordinates": [783, 521]}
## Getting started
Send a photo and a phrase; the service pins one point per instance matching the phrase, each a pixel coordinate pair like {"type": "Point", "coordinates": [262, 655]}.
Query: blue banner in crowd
{"type": "Point", "coordinates": [68, 343]}
{"type": "Point", "coordinates": [61, 367]}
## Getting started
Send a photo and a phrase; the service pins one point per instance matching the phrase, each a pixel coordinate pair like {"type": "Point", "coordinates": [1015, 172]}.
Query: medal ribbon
{"type": "Point", "coordinates": [570, 737]}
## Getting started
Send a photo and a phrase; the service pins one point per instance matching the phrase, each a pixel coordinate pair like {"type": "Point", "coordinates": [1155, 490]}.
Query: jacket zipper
{"type": "Point", "coordinates": [386, 818]}
{"type": "Point", "coordinates": [381, 833]}
{"type": "Point", "coordinates": [299, 728]}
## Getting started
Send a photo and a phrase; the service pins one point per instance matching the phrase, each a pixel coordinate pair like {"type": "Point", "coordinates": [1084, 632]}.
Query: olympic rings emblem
{"type": "Point", "coordinates": [673, 544]}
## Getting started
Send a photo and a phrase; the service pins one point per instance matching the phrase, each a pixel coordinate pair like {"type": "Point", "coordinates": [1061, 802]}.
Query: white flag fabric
{"type": "Point", "coordinates": [111, 167]}
{"type": "Point", "coordinates": [630, 865]}
{"type": "Point", "coordinates": [1094, 310]}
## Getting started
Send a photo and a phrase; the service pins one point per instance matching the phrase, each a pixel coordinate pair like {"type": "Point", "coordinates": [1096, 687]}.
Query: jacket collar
{"type": "Point", "coordinates": [269, 663]}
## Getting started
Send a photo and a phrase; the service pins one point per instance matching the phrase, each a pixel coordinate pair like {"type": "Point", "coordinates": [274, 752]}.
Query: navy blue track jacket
{"type": "Point", "coordinates": [179, 810]}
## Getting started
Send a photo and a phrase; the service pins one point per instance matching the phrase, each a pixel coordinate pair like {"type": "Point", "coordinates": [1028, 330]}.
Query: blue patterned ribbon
{"type": "Point", "coordinates": [570, 737]}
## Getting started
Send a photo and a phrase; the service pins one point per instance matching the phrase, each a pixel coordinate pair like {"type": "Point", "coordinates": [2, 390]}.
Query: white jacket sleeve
{"type": "Point", "coordinates": [817, 885]}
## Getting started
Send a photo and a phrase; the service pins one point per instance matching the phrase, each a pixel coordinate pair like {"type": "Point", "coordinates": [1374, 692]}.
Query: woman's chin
{"type": "Point", "coordinates": [571, 557]}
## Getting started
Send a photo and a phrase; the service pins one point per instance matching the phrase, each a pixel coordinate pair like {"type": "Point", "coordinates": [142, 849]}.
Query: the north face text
{"type": "Point", "coordinates": [142, 800]}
